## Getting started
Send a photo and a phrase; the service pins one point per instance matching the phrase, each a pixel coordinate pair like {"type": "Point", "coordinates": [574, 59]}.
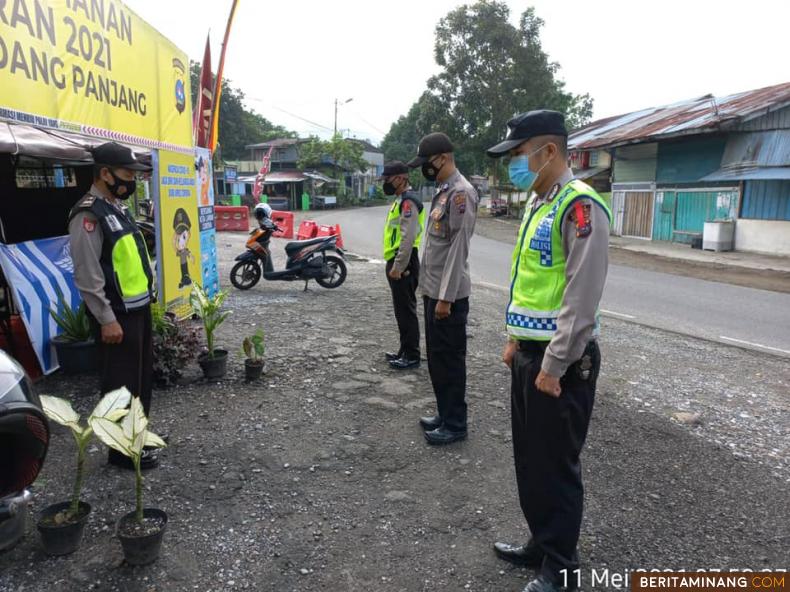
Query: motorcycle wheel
{"type": "Point", "coordinates": [245, 274]}
{"type": "Point", "coordinates": [338, 273]}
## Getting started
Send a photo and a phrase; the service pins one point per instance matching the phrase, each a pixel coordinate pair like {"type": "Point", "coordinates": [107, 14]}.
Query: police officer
{"type": "Point", "coordinates": [446, 286]}
{"type": "Point", "coordinates": [402, 236]}
{"type": "Point", "coordinates": [112, 271]}
{"type": "Point", "coordinates": [557, 278]}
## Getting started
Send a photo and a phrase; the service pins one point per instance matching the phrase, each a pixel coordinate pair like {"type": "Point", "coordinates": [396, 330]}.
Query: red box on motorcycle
{"type": "Point", "coordinates": [307, 230]}
{"type": "Point", "coordinates": [331, 230]}
{"type": "Point", "coordinates": [285, 220]}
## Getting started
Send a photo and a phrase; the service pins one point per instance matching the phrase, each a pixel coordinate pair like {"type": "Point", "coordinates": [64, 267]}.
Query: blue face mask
{"type": "Point", "coordinates": [520, 174]}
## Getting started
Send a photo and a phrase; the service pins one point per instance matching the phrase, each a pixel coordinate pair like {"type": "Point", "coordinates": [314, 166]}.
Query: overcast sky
{"type": "Point", "coordinates": [292, 58]}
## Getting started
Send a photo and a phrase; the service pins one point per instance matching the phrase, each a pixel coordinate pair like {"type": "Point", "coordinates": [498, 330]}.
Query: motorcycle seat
{"type": "Point", "coordinates": [296, 245]}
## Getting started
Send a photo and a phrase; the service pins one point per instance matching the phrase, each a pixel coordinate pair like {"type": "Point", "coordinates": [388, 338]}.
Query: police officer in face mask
{"type": "Point", "coordinates": [557, 278]}
{"type": "Point", "coordinates": [112, 271]}
{"type": "Point", "coordinates": [402, 236]}
{"type": "Point", "coordinates": [446, 286]}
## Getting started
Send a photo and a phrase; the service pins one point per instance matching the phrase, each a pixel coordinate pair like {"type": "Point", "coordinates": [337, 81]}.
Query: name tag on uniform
{"type": "Point", "coordinates": [113, 223]}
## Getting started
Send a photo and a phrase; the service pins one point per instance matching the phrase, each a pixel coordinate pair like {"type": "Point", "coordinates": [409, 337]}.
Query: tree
{"type": "Point", "coordinates": [238, 127]}
{"type": "Point", "coordinates": [339, 154]}
{"type": "Point", "coordinates": [491, 70]}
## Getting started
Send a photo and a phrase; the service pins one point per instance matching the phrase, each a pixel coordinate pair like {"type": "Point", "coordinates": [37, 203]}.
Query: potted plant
{"type": "Point", "coordinates": [74, 347]}
{"type": "Point", "coordinates": [175, 345]}
{"type": "Point", "coordinates": [209, 310]}
{"type": "Point", "coordinates": [61, 525]}
{"type": "Point", "coordinates": [254, 348]}
{"type": "Point", "coordinates": [142, 530]}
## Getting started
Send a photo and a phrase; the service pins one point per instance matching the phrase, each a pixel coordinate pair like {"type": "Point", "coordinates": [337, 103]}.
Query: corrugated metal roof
{"type": "Point", "coordinates": [697, 116]}
{"type": "Point", "coordinates": [759, 155]}
{"type": "Point", "coordinates": [588, 173]}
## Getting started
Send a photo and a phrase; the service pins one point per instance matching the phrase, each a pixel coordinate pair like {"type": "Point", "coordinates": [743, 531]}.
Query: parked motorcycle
{"type": "Point", "coordinates": [318, 259]}
{"type": "Point", "coordinates": [24, 439]}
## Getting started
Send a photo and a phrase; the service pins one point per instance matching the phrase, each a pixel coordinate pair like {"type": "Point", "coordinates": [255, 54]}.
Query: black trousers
{"type": "Point", "coordinates": [548, 436]}
{"type": "Point", "coordinates": [404, 301]}
{"type": "Point", "coordinates": [129, 363]}
{"type": "Point", "coordinates": [445, 341]}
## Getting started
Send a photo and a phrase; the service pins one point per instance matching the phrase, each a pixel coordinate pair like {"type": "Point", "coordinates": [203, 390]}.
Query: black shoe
{"type": "Point", "coordinates": [391, 356]}
{"type": "Point", "coordinates": [431, 423]}
{"type": "Point", "coordinates": [544, 584]}
{"type": "Point", "coordinates": [404, 364]}
{"type": "Point", "coordinates": [149, 460]}
{"type": "Point", "coordinates": [523, 555]}
{"type": "Point", "coordinates": [443, 435]}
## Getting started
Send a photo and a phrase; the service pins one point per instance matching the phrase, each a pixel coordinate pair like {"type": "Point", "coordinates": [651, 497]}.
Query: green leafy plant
{"type": "Point", "coordinates": [129, 438]}
{"type": "Point", "coordinates": [74, 324]}
{"type": "Point", "coordinates": [111, 408]}
{"type": "Point", "coordinates": [209, 309]}
{"type": "Point", "coordinates": [254, 346]}
{"type": "Point", "coordinates": [175, 345]}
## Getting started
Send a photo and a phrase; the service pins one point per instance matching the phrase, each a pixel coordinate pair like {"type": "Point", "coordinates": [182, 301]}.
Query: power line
{"type": "Point", "coordinates": [313, 123]}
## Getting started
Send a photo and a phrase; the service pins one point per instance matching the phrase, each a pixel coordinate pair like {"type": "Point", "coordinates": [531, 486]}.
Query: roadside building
{"type": "Point", "coordinates": [675, 167]}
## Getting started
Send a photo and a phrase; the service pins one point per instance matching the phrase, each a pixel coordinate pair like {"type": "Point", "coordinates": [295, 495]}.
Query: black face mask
{"type": "Point", "coordinates": [389, 188]}
{"type": "Point", "coordinates": [430, 172]}
{"type": "Point", "coordinates": [131, 186]}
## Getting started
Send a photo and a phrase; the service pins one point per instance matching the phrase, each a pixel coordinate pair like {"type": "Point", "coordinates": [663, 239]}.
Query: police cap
{"type": "Point", "coordinates": [431, 145]}
{"type": "Point", "coordinates": [529, 125]}
{"type": "Point", "coordinates": [181, 221]}
{"type": "Point", "coordinates": [392, 168]}
{"type": "Point", "coordinates": [114, 155]}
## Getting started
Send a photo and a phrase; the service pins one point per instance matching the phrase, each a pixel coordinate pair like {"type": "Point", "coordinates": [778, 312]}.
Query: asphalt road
{"type": "Point", "coordinates": [758, 319]}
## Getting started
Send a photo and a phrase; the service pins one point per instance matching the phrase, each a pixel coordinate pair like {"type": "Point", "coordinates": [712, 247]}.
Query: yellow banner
{"type": "Point", "coordinates": [95, 67]}
{"type": "Point", "coordinates": [179, 229]}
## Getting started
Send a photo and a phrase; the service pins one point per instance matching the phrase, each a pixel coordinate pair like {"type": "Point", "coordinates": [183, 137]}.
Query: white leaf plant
{"type": "Point", "coordinates": [129, 437]}
{"type": "Point", "coordinates": [111, 408]}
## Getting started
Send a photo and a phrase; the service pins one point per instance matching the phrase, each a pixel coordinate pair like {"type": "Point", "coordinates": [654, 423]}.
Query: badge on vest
{"type": "Point", "coordinates": [113, 223]}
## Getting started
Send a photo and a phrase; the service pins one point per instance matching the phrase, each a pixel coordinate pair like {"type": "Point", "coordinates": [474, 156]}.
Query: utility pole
{"type": "Point", "coordinates": [343, 103]}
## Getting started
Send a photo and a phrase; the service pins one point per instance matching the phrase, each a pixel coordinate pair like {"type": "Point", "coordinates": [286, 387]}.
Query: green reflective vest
{"type": "Point", "coordinates": [537, 275]}
{"type": "Point", "coordinates": [128, 279]}
{"type": "Point", "coordinates": [392, 235]}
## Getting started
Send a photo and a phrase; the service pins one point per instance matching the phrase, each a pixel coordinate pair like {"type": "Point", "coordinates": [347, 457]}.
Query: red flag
{"type": "Point", "coordinates": [214, 136]}
{"type": "Point", "coordinates": [265, 166]}
{"type": "Point", "coordinates": [203, 105]}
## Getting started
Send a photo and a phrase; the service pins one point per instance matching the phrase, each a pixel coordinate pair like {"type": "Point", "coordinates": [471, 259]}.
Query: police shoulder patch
{"type": "Point", "coordinates": [88, 224]}
{"type": "Point", "coordinates": [459, 199]}
{"type": "Point", "coordinates": [406, 209]}
{"type": "Point", "coordinates": [581, 217]}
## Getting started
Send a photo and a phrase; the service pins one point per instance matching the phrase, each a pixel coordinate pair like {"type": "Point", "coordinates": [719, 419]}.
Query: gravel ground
{"type": "Point", "coordinates": [318, 478]}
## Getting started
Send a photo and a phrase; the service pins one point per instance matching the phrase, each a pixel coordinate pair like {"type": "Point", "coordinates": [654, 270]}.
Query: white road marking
{"type": "Point", "coordinates": [493, 286]}
{"type": "Point", "coordinates": [618, 314]}
{"type": "Point", "coordinates": [768, 347]}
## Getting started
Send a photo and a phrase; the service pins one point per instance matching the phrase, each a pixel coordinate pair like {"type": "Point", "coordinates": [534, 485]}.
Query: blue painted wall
{"type": "Point", "coordinates": [766, 200]}
{"type": "Point", "coordinates": [688, 160]}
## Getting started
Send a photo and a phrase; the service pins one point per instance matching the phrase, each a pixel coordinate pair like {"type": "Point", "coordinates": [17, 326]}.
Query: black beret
{"type": "Point", "coordinates": [529, 125]}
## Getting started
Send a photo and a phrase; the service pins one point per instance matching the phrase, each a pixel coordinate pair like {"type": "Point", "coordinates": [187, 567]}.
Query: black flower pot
{"type": "Point", "coordinates": [64, 538]}
{"type": "Point", "coordinates": [253, 369]}
{"type": "Point", "coordinates": [216, 366]}
{"type": "Point", "coordinates": [141, 545]}
{"type": "Point", "coordinates": [76, 357]}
